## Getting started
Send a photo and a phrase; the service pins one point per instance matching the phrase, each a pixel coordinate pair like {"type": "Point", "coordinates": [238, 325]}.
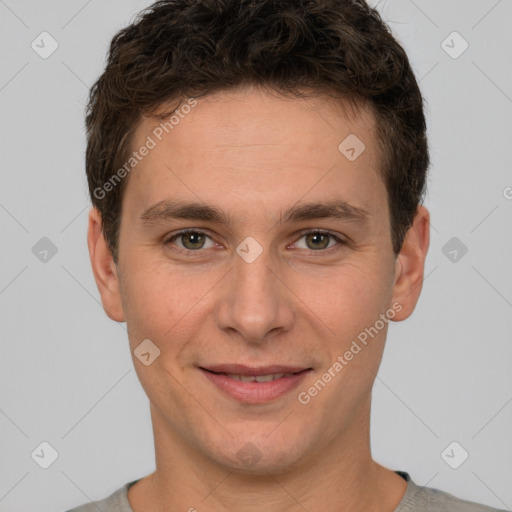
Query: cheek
{"type": "Point", "coordinates": [348, 298]}
{"type": "Point", "coordinates": [158, 301]}
{"type": "Point", "coordinates": [164, 306]}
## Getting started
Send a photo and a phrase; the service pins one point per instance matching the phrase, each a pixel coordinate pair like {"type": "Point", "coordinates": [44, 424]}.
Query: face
{"type": "Point", "coordinates": [252, 244]}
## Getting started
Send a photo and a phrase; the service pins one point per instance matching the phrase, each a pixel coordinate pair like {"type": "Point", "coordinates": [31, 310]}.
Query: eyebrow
{"type": "Point", "coordinates": [167, 210]}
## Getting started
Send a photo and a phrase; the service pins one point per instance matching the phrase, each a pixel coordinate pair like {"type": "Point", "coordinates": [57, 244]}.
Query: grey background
{"type": "Point", "coordinates": [66, 374]}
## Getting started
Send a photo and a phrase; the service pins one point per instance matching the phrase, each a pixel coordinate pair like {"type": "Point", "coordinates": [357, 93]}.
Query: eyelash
{"type": "Point", "coordinates": [190, 252]}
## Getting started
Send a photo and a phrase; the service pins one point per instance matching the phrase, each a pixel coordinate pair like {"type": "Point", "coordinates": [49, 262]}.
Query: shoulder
{"type": "Point", "coordinates": [116, 502]}
{"type": "Point", "coordinates": [427, 499]}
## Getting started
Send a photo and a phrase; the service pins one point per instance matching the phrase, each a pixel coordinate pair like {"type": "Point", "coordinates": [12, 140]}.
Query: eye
{"type": "Point", "coordinates": [319, 240]}
{"type": "Point", "coordinates": [191, 240]}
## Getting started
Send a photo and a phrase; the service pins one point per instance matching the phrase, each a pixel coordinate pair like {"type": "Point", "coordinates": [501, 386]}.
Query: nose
{"type": "Point", "coordinates": [255, 302]}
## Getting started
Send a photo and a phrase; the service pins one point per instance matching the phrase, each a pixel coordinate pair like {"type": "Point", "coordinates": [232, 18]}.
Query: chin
{"type": "Point", "coordinates": [259, 455]}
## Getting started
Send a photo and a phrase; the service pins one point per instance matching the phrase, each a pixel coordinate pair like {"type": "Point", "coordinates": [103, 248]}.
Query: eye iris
{"type": "Point", "coordinates": [192, 240]}
{"type": "Point", "coordinates": [315, 238]}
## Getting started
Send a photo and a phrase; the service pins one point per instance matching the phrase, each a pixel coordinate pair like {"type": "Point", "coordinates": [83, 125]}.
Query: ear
{"type": "Point", "coordinates": [410, 264]}
{"type": "Point", "coordinates": [104, 268]}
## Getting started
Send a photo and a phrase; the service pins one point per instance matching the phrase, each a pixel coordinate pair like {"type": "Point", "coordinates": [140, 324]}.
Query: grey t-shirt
{"type": "Point", "coordinates": [415, 499]}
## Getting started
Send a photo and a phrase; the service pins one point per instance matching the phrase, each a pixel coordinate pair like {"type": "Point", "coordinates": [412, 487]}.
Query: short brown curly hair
{"type": "Point", "coordinates": [188, 48]}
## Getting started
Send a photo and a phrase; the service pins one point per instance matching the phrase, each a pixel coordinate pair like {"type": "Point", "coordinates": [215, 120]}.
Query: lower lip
{"type": "Point", "coordinates": [256, 392]}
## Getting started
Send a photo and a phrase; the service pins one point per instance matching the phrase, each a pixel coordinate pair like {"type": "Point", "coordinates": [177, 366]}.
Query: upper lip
{"type": "Point", "coordinates": [240, 369]}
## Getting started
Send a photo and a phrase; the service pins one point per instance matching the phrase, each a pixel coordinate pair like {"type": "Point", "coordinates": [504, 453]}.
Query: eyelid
{"type": "Point", "coordinates": [339, 238]}
{"type": "Point", "coordinates": [171, 237]}
{"type": "Point", "coordinates": [297, 236]}
{"type": "Point", "coordinates": [169, 240]}
{"type": "Point", "coordinates": [321, 231]}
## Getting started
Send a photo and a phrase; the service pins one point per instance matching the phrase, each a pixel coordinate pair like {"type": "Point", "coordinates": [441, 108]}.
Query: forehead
{"type": "Point", "coordinates": [259, 146]}
{"type": "Point", "coordinates": [250, 115]}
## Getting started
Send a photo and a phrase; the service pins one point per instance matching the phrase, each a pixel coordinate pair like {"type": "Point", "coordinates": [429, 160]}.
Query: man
{"type": "Point", "coordinates": [257, 170]}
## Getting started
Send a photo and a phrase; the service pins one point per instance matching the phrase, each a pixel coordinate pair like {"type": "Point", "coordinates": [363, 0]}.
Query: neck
{"type": "Point", "coordinates": [339, 476]}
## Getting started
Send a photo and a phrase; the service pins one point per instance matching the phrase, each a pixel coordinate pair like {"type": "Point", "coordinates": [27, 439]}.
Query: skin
{"type": "Point", "coordinates": [254, 155]}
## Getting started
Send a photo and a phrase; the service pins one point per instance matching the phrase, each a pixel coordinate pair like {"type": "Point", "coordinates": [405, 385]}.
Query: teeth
{"type": "Point", "coordinates": [268, 378]}
{"type": "Point", "coordinates": [258, 378]}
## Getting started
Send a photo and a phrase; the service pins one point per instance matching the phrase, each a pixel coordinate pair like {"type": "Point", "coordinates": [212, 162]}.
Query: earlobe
{"type": "Point", "coordinates": [104, 268]}
{"type": "Point", "coordinates": [410, 264]}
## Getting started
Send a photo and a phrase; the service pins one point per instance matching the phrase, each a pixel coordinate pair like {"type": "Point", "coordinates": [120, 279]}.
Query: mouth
{"type": "Point", "coordinates": [255, 384]}
{"type": "Point", "coordinates": [256, 378]}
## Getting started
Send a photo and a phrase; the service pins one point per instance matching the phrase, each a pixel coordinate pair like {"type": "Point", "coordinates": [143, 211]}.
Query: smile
{"type": "Point", "coordinates": [258, 378]}
{"type": "Point", "coordinates": [255, 388]}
